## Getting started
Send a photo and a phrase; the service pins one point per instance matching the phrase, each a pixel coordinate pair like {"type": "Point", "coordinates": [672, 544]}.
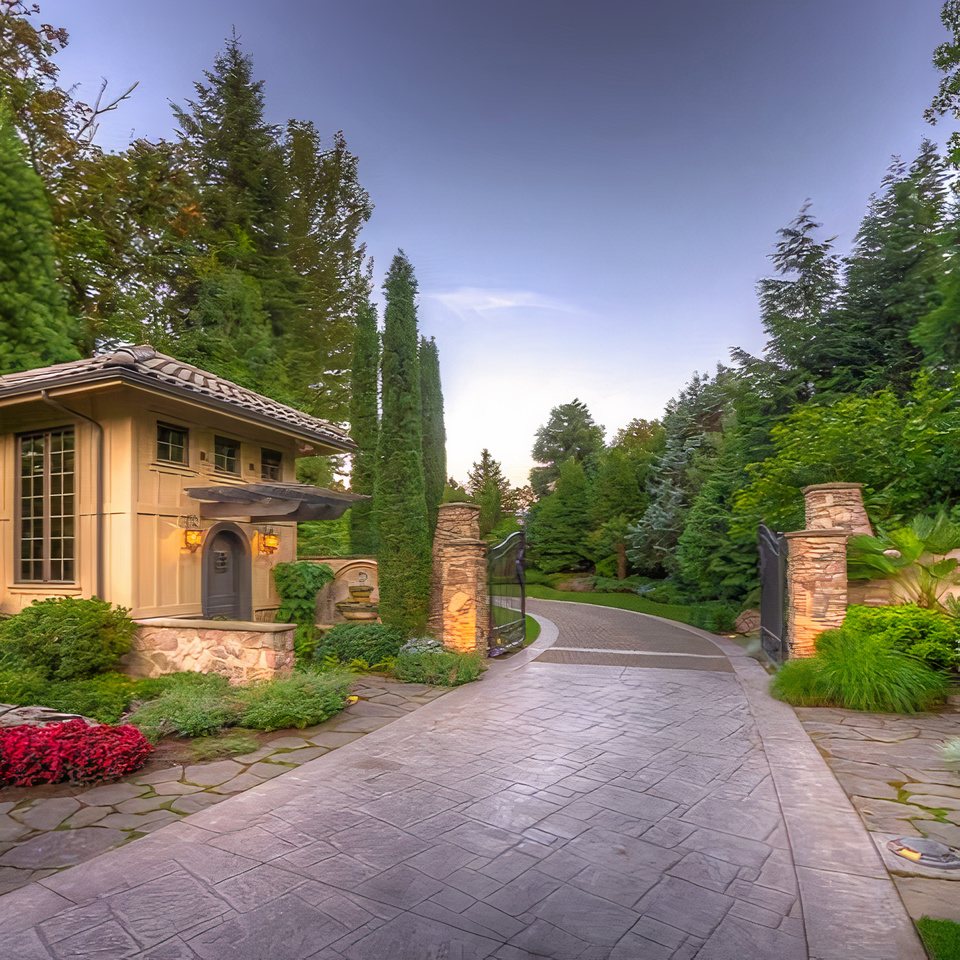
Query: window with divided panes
{"type": "Point", "coordinates": [47, 509]}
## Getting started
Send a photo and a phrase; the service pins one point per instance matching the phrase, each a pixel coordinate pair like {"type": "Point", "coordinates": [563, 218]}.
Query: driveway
{"type": "Point", "coordinates": [622, 789]}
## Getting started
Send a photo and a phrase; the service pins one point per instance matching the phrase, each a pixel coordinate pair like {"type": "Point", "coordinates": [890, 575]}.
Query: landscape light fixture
{"type": "Point", "coordinates": [192, 538]}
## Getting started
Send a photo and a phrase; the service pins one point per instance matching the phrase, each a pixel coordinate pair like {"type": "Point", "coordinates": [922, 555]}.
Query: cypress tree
{"type": "Point", "coordinates": [434, 431]}
{"type": "Point", "coordinates": [364, 429]}
{"type": "Point", "coordinates": [34, 328]}
{"type": "Point", "coordinates": [404, 549]}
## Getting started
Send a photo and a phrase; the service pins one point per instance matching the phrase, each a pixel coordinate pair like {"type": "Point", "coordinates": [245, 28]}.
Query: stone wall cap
{"type": "Point", "coordinates": [460, 503]}
{"type": "Point", "coordinates": [832, 486]}
{"type": "Point", "coordinates": [240, 626]}
{"type": "Point", "coordinates": [827, 532]}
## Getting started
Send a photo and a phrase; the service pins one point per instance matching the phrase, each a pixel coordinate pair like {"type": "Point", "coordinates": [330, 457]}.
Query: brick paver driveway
{"type": "Point", "coordinates": [574, 809]}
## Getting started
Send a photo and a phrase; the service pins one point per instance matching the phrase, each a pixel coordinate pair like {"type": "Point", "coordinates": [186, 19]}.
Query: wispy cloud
{"type": "Point", "coordinates": [465, 301]}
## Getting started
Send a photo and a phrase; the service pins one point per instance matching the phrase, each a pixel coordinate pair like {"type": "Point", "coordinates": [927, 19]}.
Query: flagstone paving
{"type": "Point", "coordinates": [892, 769]}
{"type": "Point", "coordinates": [44, 830]}
{"type": "Point", "coordinates": [551, 810]}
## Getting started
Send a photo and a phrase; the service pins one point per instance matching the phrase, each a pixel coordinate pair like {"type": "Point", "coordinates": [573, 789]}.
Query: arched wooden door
{"type": "Point", "coordinates": [226, 590]}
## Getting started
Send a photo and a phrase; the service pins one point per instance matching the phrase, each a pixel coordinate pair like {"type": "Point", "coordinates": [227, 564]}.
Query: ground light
{"type": "Point", "coordinates": [928, 853]}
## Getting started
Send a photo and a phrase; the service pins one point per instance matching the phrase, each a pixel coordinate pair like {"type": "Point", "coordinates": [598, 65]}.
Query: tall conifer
{"type": "Point", "coordinates": [33, 320]}
{"type": "Point", "coordinates": [404, 550]}
{"type": "Point", "coordinates": [434, 431]}
{"type": "Point", "coordinates": [364, 429]}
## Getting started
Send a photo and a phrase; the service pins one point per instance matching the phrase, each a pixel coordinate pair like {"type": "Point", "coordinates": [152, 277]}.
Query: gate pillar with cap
{"type": "Point", "coordinates": [459, 609]}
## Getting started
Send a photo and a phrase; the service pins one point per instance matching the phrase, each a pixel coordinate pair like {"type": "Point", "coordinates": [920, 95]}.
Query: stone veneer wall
{"type": "Point", "coordinates": [816, 586]}
{"type": "Point", "coordinates": [241, 651]}
{"type": "Point", "coordinates": [459, 603]}
{"type": "Point", "coordinates": [830, 506]}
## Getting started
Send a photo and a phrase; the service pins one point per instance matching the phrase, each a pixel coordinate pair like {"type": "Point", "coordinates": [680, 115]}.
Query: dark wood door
{"type": "Point", "coordinates": [223, 566]}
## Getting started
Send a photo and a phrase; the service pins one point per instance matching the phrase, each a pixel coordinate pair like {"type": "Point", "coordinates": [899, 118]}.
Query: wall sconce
{"type": "Point", "coordinates": [269, 542]}
{"type": "Point", "coordinates": [192, 538]}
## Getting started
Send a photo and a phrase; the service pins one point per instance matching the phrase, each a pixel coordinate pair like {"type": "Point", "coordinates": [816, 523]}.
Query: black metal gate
{"type": "Point", "coordinates": [773, 592]}
{"type": "Point", "coordinates": [507, 594]}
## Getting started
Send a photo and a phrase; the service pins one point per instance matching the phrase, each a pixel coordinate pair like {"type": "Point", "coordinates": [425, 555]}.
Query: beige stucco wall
{"type": "Point", "coordinates": [147, 568]}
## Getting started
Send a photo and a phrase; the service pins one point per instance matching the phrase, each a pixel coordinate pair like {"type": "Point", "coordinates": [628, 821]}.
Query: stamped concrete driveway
{"type": "Point", "coordinates": [610, 796]}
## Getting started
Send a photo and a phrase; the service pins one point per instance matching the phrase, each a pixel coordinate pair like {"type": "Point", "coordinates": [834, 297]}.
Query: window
{"type": "Point", "coordinates": [171, 443]}
{"type": "Point", "coordinates": [47, 521]}
{"type": "Point", "coordinates": [226, 455]}
{"type": "Point", "coordinates": [270, 464]}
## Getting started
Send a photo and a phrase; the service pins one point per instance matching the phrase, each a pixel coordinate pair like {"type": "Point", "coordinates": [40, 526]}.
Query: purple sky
{"type": "Point", "coordinates": [587, 191]}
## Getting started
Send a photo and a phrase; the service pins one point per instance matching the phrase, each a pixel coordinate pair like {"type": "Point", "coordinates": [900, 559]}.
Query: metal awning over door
{"type": "Point", "coordinates": [263, 502]}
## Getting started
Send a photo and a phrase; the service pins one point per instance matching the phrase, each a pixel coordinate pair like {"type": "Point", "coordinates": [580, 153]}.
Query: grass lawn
{"type": "Point", "coordinates": [625, 601]}
{"type": "Point", "coordinates": [532, 631]}
{"type": "Point", "coordinates": [941, 938]}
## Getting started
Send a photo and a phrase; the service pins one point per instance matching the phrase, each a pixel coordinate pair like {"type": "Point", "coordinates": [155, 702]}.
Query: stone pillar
{"type": "Point", "coordinates": [816, 586]}
{"type": "Point", "coordinates": [459, 604]}
{"type": "Point", "coordinates": [831, 506]}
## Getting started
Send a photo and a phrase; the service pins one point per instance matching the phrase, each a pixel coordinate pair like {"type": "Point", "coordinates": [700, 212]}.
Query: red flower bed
{"type": "Point", "coordinates": [69, 751]}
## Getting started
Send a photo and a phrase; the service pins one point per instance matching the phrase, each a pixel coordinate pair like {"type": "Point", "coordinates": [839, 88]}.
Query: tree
{"type": "Point", "coordinates": [364, 430]}
{"type": "Point", "coordinates": [490, 489]}
{"type": "Point", "coordinates": [796, 308]}
{"type": "Point", "coordinates": [34, 330]}
{"type": "Point", "coordinates": [238, 292]}
{"type": "Point", "coordinates": [404, 548]}
{"type": "Point", "coordinates": [568, 432]}
{"type": "Point", "coordinates": [325, 209]}
{"type": "Point", "coordinates": [946, 58]}
{"type": "Point", "coordinates": [434, 431]}
{"type": "Point", "coordinates": [559, 523]}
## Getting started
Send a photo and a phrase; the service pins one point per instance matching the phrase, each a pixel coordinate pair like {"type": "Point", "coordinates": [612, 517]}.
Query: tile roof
{"type": "Point", "coordinates": [144, 366]}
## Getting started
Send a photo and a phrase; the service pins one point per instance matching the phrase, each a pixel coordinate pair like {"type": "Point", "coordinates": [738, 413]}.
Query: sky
{"type": "Point", "coordinates": [588, 190]}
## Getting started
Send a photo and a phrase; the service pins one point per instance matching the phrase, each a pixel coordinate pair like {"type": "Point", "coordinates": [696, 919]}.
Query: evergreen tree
{"type": "Point", "coordinates": [34, 329]}
{"type": "Point", "coordinates": [364, 429]}
{"type": "Point", "coordinates": [891, 278]}
{"type": "Point", "coordinates": [325, 209]}
{"type": "Point", "coordinates": [559, 523]}
{"type": "Point", "coordinates": [434, 431]}
{"type": "Point", "coordinates": [238, 292]}
{"type": "Point", "coordinates": [569, 432]}
{"type": "Point", "coordinates": [404, 549]}
{"type": "Point", "coordinates": [490, 490]}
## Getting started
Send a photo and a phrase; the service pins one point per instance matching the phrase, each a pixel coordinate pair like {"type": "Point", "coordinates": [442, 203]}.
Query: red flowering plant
{"type": "Point", "coordinates": [69, 751]}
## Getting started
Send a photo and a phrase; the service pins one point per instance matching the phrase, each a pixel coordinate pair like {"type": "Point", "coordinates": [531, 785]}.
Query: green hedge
{"type": "Point", "coordinates": [372, 642]}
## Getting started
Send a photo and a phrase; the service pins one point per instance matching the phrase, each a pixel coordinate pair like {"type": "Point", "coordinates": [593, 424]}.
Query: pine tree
{"type": "Point", "coordinates": [364, 429]}
{"type": "Point", "coordinates": [490, 489]}
{"type": "Point", "coordinates": [434, 431]}
{"type": "Point", "coordinates": [238, 293]}
{"type": "Point", "coordinates": [559, 523]}
{"type": "Point", "coordinates": [34, 328]}
{"type": "Point", "coordinates": [569, 432]}
{"type": "Point", "coordinates": [404, 548]}
{"type": "Point", "coordinates": [326, 207]}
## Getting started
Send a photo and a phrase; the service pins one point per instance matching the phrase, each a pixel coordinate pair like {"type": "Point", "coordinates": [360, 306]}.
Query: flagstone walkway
{"type": "Point", "coordinates": [555, 809]}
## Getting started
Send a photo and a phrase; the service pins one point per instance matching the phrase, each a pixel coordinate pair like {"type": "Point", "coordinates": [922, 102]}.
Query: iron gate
{"type": "Point", "coordinates": [507, 594]}
{"type": "Point", "coordinates": [773, 591]}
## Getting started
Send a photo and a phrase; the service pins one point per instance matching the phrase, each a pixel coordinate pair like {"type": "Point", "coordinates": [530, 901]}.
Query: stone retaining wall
{"type": "Point", "coordinates": [240, 650]}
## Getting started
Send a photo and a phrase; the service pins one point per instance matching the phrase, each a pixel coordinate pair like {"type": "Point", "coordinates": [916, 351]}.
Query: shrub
{"type": "Point", "coordinates": [66, 638]}
{"type": "Point", "coordinates": [798, 682]}
{"type": "Point", "coordinates": [951, 751]}
{"type": "Point", "coordinates": [614, 585]}
{"type": "Point", "coordinates": [445, 668]}
{"type": "Point", "coordinates": [925, 634]}
{"type": "Point", "coordinates": [298, 584]}
{"type": "Point", "coordinates": [104, 698]}
{"type": "Point", "coordinates": [189, 708]}
{"type": "Point", "coordinates": [372, 642]}
{"type": "Point", "coordinates": [716, 616]}
{"type": "Point", "coordinates": [69, 751]}
{"type": "Point", "coordinates": [301, 701]}
{"type": "Point", "coordinates": [861, 674]}
{"type": "Point", "coordinates": [663, 591]}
